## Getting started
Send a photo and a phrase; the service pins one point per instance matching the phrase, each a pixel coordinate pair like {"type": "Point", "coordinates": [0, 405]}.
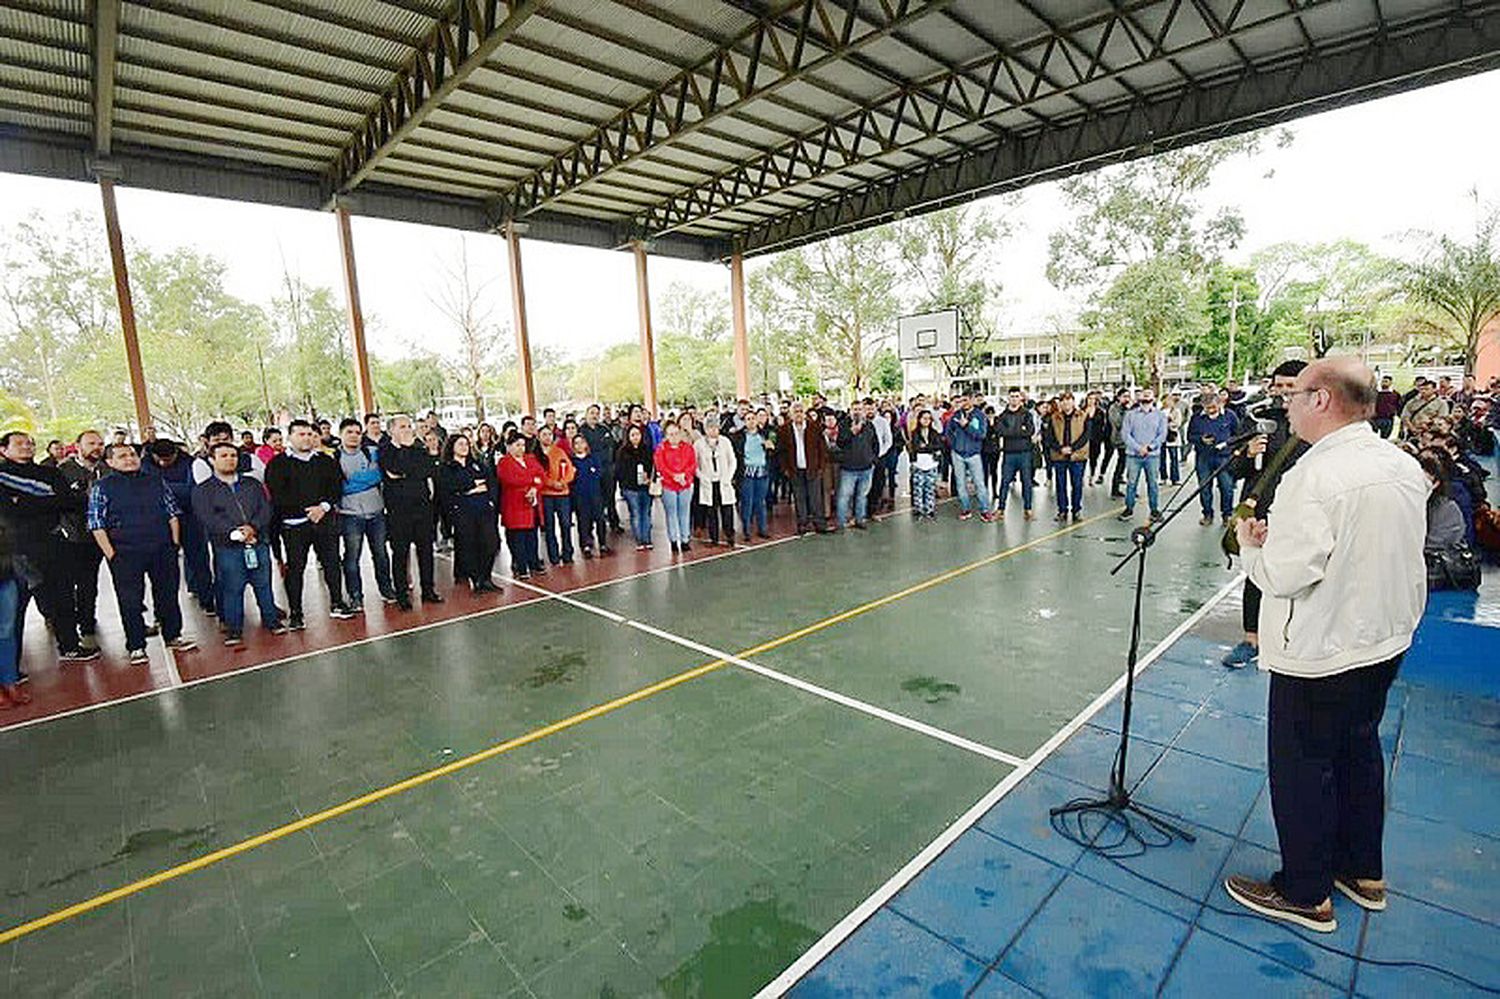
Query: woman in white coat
{"type": "Point", "coordinates": [716, 491]}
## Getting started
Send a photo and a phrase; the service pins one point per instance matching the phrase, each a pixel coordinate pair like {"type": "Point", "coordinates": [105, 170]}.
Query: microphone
{"type": "Point", "coordinates": [1260, 428]}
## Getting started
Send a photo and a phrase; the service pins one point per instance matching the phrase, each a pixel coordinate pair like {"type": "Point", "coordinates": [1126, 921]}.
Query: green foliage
{"type": "Point", "coordinates": [412, 384]}
{"type": "Point", "coordinates": [1231, 292]}
{"type": "Point", "coordinates": [1146, 209]}
{"type": "Point", "coordinates": [1459, 282]}
{"type": "Point", "coordinates": [886, 374]}
{"type": "Point", "coordinates": [838, 300]}
{"type": "Point", "coordinates": [1150, 308]}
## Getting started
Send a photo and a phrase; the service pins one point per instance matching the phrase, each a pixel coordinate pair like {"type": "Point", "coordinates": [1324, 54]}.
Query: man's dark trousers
{"type": "Point", "coordinates": [129, 569]}
{"type": "Point", "coordinates": [407, 529]}
{"type": "Point", "coordinates": [807, 497]}
{"type": "Point", "coordinates": [322, 537]}
{"type": "Point", "coordinates": [1327, 777]}
{"type": "Point", "coordinates": [81, 566]}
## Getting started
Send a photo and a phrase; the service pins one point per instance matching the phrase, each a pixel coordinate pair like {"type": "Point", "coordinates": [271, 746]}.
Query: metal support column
{"type": "Point", "coordinates": [362, 383]}
{"type": "Point", "coordinates": [518, 316]}
{"type": "Point", "coordinates": [127, 307]}
{"type": "Point", "coordinates": [648, 347]}
{"type": "Point", "coordinates": [741, 334]}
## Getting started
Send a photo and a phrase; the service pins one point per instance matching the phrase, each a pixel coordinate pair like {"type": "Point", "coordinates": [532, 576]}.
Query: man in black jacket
{"type": "Point", "coordinates": [1249, 466]}
{"type": "Point", "coordinates": [408, 470]}
{"type": "Point", "coordinates": [1016, 429]}
{"type": "Point", "coordinates": [305, 486]}
{"type": "Point", "coordinates": [602, 445]}
{"type": "Point", "coordinates": [32, 497]}
{"type": "Point", "coordinates": [81, 554]}
{"type": "Point", "coordinates": [858, 448]}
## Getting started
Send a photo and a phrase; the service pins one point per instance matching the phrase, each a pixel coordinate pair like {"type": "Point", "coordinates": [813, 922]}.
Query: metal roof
{"type": "Point", "coordinates": [700, 126]}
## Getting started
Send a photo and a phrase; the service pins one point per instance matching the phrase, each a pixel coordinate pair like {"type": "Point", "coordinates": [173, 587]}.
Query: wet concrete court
{"type": "Point", "coordinates": [682, 779]}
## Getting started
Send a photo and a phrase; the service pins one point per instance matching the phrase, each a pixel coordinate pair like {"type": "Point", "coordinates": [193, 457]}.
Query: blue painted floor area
{"type": "Point", "coordinates": [1012, 908]}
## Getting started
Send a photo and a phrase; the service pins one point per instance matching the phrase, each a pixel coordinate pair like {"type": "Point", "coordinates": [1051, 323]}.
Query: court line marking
{"type": "Point", "coordinates": [845, 927]}
{"type": "Point", "coordinates": [417, 780]}
{"type": "Point", "coordinates": [865, 707]}
{"type": "Point", "coordinates": [369, 798]}
{"type": "Point", "coordinates": [414, 629]}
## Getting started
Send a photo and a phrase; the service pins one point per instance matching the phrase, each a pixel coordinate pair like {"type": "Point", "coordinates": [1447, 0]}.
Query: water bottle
{"type": "Point", "coordinates": [252, 560]}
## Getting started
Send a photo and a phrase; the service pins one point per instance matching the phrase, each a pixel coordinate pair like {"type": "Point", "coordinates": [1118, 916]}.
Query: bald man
{"type": "Point", "coordinates": [1340, 565]}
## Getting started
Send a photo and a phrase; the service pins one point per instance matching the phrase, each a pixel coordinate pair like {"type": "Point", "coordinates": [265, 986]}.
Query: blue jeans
{"type": "Point", "coordinates": [854, 485]}
{"type": "Point", "coordinates": [1015, 464]}
{"type": "Point", "coordinates": [557, 516]}
{"type": "Point", "coordinates": [1212, 471]}
{"type": "Point", "coordinates": [1171, 462]}
{"type": "Point", "coordinates": [1069, 476]}
{"type": "Point", "coordinates": [753, 490]}
{"type": "Point", "coordinates": [10, 640]}
{"type": "Point", "coordinates": [924, 490]}
{"type": "Point", "coordinates": [970, 468]}
{"type": "Point", "coordinates": [639, 502]}
{"type": "Point", "coordinates": [679, 506]}
{"type": "Point", "coordinates": [1135, 465]}
{"type": "Point", "coordinates": [356, 529]}
{"type": "Point", "coordinates": [230, 569]}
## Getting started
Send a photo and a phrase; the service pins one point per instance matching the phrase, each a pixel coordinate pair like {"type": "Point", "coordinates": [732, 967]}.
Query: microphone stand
{"type": "Point", "coordinates": [1118, 804]}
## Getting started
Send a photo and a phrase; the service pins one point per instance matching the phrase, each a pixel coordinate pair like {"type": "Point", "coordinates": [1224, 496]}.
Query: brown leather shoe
{"type": "Point", "coordinates": [1367, 893]}
{"type": "Point", "coordinates": [1264, 898]}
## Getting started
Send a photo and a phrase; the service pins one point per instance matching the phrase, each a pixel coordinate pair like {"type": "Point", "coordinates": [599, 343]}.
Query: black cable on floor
{"type": "Point", "coordinates": [1132, 838]}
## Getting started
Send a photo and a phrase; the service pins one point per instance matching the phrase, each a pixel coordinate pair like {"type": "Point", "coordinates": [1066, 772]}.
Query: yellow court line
{"type": "Point", "coordinates": [380, 794]}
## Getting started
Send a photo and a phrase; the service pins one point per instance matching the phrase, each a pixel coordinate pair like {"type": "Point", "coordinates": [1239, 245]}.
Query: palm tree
{"type": "Point", "coordinates": [1460, 282]}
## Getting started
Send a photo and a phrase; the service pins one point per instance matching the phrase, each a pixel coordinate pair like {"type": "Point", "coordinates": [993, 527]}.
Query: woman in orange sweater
{"type": "Point", "coordinates": [557, 508]}
{"type": "Point", "coordinates": [677, 464]}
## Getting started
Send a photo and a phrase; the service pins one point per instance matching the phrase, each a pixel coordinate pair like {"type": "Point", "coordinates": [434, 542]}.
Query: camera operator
{"type": "Point", "coordinates": [1249, 466]}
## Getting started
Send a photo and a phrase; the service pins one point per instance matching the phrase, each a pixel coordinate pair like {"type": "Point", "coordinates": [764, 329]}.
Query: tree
{"type": "Point", "coordinates": [58, 312]}
{"type": "Point", "coordinates": [313, 366]}
{"type": "Point", "coordinates": [949, 257]}
{"type": "Point", "coordinates": [886, 374]}
{"type": "Point", "coordinates": [1231, 301]}
{"type": "Point", "coordinates": [838, 298]}
{"type": "Point", "coordinates": [1459, 281]}
{"type": "Point", "coordinates": [413, 384]}
{"type": "Point", "coordinates": [1150, 308]}
{"type": "Point", "coordinates": [465, 301]}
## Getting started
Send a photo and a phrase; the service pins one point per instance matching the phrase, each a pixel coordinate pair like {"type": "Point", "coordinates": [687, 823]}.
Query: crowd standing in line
{"type": "Point", "coordinates": [215, 517]}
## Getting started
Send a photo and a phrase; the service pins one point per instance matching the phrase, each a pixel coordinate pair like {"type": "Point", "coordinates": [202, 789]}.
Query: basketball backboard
{"type": "Point", "coordinates": [927, 335]}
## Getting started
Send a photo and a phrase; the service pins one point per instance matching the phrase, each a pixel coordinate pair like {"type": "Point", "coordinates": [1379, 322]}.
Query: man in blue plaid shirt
{"type": "Point", "coordinates": [137, 522]}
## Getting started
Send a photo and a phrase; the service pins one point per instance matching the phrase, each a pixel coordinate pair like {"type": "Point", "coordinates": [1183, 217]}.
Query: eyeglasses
{"type": "Point", "coordinates": [1293, 393]}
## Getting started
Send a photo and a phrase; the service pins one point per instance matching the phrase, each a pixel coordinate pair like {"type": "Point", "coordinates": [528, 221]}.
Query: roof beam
{"type": "Point", "coordinates": [780, 48]}
{"type": "Point", "coordinates": [106, 33]}
{"type": "Point", "coordinates": [454, 48]}
{"type": "Point", "coordinates": [875, 129]}
{"type": "Point", "coordinates": [1393, 59]}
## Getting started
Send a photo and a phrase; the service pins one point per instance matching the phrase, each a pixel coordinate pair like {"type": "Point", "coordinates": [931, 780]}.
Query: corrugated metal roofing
{"type": "Point", "coordinates": [708, 117]}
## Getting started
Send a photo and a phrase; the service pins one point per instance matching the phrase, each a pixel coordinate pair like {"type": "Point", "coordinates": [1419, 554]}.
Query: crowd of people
{"type": "Point", "coordinates": [232, 512]}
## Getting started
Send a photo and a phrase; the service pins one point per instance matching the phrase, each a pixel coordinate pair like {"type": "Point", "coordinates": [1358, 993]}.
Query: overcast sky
{"type": "Point", "coordinates": [1370, 173]}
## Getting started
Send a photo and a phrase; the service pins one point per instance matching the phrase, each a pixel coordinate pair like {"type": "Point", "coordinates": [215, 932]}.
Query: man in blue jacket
{"type": "Point", "coordinates": [236, 516]}
{"type": "Point", "coordinates": [1208, 431]}
{"type": "Point", "coordinates": [135, 519]}
{"type": "Point", "coordinates": [1143, 431]}
{"type": "Point", "coordinates": [362, 514]}
{"type": "Point", "coordinates": [965, 432]}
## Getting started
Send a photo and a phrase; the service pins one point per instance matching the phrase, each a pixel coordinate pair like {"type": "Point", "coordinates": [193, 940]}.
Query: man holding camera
{"type": "Point", "coordinates": [1340, 565]}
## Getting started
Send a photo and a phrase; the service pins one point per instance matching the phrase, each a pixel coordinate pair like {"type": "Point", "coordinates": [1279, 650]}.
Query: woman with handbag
{"type": "Point", "coordinates": [1451, 563]}
{"type": "Point", "coordinates": [635, 471]}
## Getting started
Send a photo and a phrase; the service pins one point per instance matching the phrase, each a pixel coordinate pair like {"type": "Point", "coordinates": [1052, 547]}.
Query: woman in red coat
{"type": "Point", "coordinates": [520, 476]}
{"type": "Point", "coordinates": [677, 464]}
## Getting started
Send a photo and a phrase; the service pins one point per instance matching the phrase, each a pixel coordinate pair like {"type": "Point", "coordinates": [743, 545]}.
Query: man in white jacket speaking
{"type": "Point", "coordinates": [1340, 564]}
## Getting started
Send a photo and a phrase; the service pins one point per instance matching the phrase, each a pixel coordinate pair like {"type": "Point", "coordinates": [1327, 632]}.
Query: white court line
{"type": "Point", "coordinates": [846, 926]}
{"type": "Point", "coordinates": [256, 667]}
{"type": "Point", "coordinates": [182, 684]}
{"type": "Point", "coordinates": [792, 681]}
